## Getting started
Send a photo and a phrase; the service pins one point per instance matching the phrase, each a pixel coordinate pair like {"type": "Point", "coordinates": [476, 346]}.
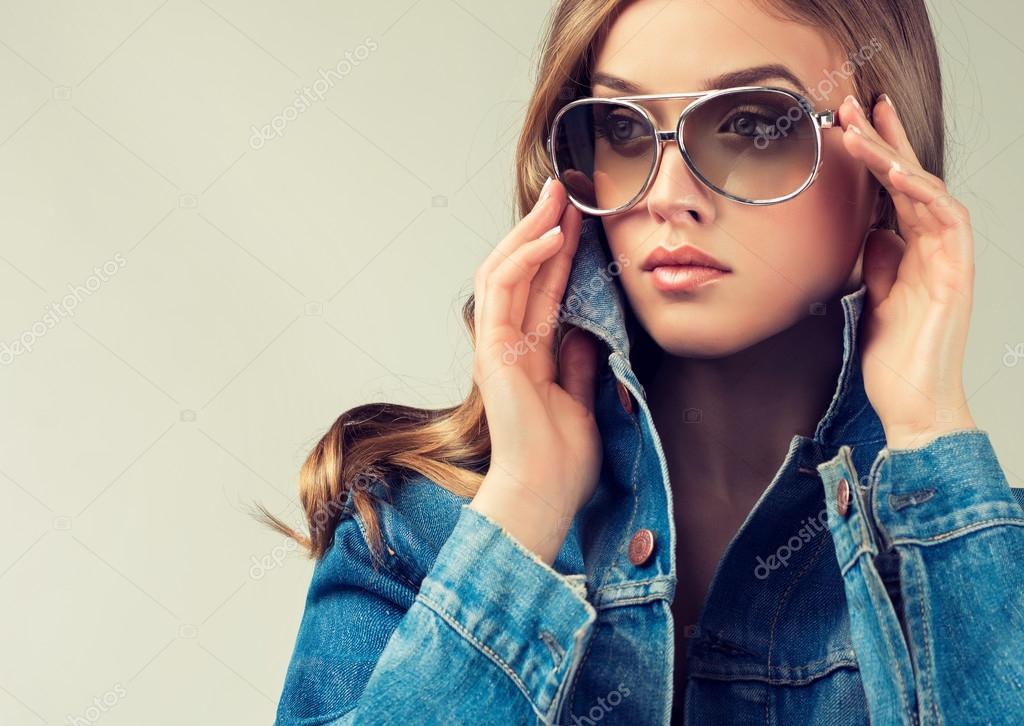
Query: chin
{"type": "Point", "coordinates": [704, 342]}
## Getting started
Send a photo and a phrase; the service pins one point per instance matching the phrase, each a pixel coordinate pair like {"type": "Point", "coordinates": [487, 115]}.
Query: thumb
{"type": "Point", "coordinates": [883, 251]}
{"type": "Point", "coordinates": [577, 364]}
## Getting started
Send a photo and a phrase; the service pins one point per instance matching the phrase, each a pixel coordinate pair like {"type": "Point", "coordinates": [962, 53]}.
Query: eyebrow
{"type": "Point", "coordinates": [750, 76]}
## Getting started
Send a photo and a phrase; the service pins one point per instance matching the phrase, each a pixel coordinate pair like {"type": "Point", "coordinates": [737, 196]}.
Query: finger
{"type": "Point", "coordinates": [498, 317]}
{"type": "Point", "coordinates": [896, 147]}
{"type": "Point", "coordinates": [543, 216]}
{"type": "Point", "coordinates": [548, 287]}
{"type": "Point", "coordinates": [887, 123]}
{"type": "Point", "coordinates": [936, 209]}
{"type": "Point", "coordinates": [577, 366]}
{"type": "Point", "coordinates": [950, 216]}
{"type": "Point", "coordinates": [879, 162]}
{"type": "Point", "coordinates": [580, 184]}
{"type": "Point", "coordinates": [883, 252]}
{"type": "Point", "coordinates": [939, 201]}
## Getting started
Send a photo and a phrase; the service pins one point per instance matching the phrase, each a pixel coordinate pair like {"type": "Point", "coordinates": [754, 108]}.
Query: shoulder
{"type": "Point", "coordinates": [415, 516]}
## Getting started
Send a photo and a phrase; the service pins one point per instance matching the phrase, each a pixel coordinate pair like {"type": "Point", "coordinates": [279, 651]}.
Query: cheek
{"type": "Point", "coordinates": [807, 247]}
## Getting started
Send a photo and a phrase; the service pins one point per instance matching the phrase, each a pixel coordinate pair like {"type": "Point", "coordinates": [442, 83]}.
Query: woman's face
{"type": "Point", "coordinates": [786, 259]}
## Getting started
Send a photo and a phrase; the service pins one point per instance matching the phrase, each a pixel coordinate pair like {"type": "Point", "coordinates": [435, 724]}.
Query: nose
{"type": "Point", "coordinates": [676, 196]}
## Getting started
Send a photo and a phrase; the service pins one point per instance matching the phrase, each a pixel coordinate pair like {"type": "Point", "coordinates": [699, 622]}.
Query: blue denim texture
{"type": "Point", "coordinates": [908, 608]}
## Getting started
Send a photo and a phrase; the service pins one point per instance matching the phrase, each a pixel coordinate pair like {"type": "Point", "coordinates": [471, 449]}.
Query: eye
{"type": "Point", "coordinates": [619, 128]}
{"type": "Point", "coordinates": [751, 124]}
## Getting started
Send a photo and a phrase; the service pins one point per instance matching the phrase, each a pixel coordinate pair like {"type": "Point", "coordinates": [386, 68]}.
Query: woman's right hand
{"type": "Point", "coordinates": [545, 446]}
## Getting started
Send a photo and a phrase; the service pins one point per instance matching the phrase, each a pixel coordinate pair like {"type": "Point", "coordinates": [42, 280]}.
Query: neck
{"type": "Point", "coordinates": [727, 422]}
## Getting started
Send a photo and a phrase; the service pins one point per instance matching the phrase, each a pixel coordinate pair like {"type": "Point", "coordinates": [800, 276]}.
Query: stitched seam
{"type": "Point", "coordinates": [774, 681]}
{"type": "Point", "coordinates": [632, 583]}
{"type": "Point", "coordinates": [557, 651]}
{"type": "Point", "coordinates": [975, 433]}
{"type": "Point", "coordinates": [889, 646]}
{"type": "Point", "coordinates": [383, 563]}
{"type": "Point", "coordinates": [399, 576]}
{"type": "Point", "coordinates": [812, 664]}
{"type": "Point", "coordinates": [778, 612]}
{"type": "Point", "coordinates": [899, 675]}
{"type": "Point", "coordinates": [579, 669]}
{"type": "Point", "coordinates": [974, 526]}
{"type": "Point", "coordinates": [636, 498]}
{"type": "Point", "coordinates": [638, 600]}
{"type": "Point", "coordinates": [926, 668]}
{"type": "Point", "coordinates": [799, 576]}
{"type": "Point", "coordinates": [498, 660]}
{"type": "Point", "coordinates": [862, 550]}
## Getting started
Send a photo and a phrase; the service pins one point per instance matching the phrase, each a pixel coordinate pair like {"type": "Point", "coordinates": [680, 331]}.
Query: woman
{"type": "Point", "coordinates": [727, 473]}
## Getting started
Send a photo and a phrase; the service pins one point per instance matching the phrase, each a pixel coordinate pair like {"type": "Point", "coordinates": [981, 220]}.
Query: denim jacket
{"type": "Point", "coordinates": [864, 581]}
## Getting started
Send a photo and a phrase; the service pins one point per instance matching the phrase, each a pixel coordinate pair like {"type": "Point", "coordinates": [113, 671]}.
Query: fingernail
{"type": "Point", "coordinates": [855, 130]}
{"type": "Point", "coordinates": [544, 193]}
{"type": "Point", "coordinates": [553, 231]}
{"type": "Point", "coordinates": [854, 101]}
{"type": "Point", "coordinates": [885, 97]}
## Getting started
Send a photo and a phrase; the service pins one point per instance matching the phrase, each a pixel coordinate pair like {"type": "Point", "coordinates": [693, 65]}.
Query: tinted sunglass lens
{"type": "Point", "coordinates": [603, 153]}
{"type": "Point", "coordinates": [756, 145]}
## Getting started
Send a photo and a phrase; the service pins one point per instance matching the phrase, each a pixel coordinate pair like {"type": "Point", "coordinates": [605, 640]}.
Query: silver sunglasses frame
{"type": "Point", "coordinates": [821, 120]}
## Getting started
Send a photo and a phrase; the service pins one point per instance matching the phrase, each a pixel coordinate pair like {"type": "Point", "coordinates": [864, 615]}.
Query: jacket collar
{"type": "Point", "coordinates": [594, 301]}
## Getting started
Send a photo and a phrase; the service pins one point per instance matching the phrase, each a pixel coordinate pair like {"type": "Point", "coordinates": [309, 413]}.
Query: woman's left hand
{"type": "Point", "coordinates": [920, 285]}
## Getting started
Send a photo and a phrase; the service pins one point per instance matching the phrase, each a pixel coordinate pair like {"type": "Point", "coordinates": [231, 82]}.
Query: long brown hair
{"type": "Point", "coordinates": [369, 448]}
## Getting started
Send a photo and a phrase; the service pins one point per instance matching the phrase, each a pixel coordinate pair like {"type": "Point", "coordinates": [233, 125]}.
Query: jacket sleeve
{"type": "Point", "coordinates": [492, 635]}
{"type": "Point", "coordinates": [948, 512]}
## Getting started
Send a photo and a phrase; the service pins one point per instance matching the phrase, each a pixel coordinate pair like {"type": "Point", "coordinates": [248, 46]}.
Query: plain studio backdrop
{"type": "Point", "coordinates": [226, 222]}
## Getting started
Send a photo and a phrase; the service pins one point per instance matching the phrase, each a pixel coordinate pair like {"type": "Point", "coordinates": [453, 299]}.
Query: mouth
{"type": "Point", "coordinates": [683, 269]}
{"type": "Point", "coordinates": [684, 278]}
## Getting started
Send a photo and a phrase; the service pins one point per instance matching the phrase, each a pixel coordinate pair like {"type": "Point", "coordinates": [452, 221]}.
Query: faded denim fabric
{"type": "Point", "coordinates": [908, 608]}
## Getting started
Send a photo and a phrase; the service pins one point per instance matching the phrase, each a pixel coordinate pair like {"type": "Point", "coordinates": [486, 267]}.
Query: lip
{"type": "Point", "coordinates": [682, 255]}
{"type": "Point", "coordinates": [682, 269]}
{"type": "Point", "coordinates": [684, 278]}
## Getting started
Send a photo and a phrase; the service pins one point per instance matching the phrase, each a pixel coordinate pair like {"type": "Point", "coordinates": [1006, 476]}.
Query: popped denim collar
{"type": "Point", "coordinates": [593, 300]}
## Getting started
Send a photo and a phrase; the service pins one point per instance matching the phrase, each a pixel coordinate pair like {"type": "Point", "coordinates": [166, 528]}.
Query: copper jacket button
{"type": "Point", "coordinates": [641, 546]}
{"type": "Point", "coordinates": [625, 398]}
{"type": "Point", "coordinates": [843, 497]}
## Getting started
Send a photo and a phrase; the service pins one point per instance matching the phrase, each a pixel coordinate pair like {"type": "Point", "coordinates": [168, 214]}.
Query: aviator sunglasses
{"type": "Point", "coordinates": [752, 144]}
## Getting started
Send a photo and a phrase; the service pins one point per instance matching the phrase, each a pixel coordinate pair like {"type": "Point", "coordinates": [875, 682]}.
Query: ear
{"type": "Point", "coordinates": [882, 202]}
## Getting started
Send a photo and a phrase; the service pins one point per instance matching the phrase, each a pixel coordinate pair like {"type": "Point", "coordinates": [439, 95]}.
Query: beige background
{"type": "Point", "coordinates": [236, 293]}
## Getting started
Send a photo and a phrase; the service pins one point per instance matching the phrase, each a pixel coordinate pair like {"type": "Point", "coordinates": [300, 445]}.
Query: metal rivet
{"type": "Point", "coordinates": [843, 497]}
{"type": "Point", "coordinates": [641, 546]}
{"type": "Point", "coordinates": [625, 397]}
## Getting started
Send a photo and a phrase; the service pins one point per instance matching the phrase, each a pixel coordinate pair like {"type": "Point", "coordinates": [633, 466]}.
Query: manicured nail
{"type": "Point", "coordinates": [544, 193]}
{"type": "Point", "coordinates": [855, 130]}
{"type": "Point", "coordinates": [854, 101]}
{"type": "Point", "coordinates": [553, 231]}
{"type": "Point", "coordinates": [885, 97]}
